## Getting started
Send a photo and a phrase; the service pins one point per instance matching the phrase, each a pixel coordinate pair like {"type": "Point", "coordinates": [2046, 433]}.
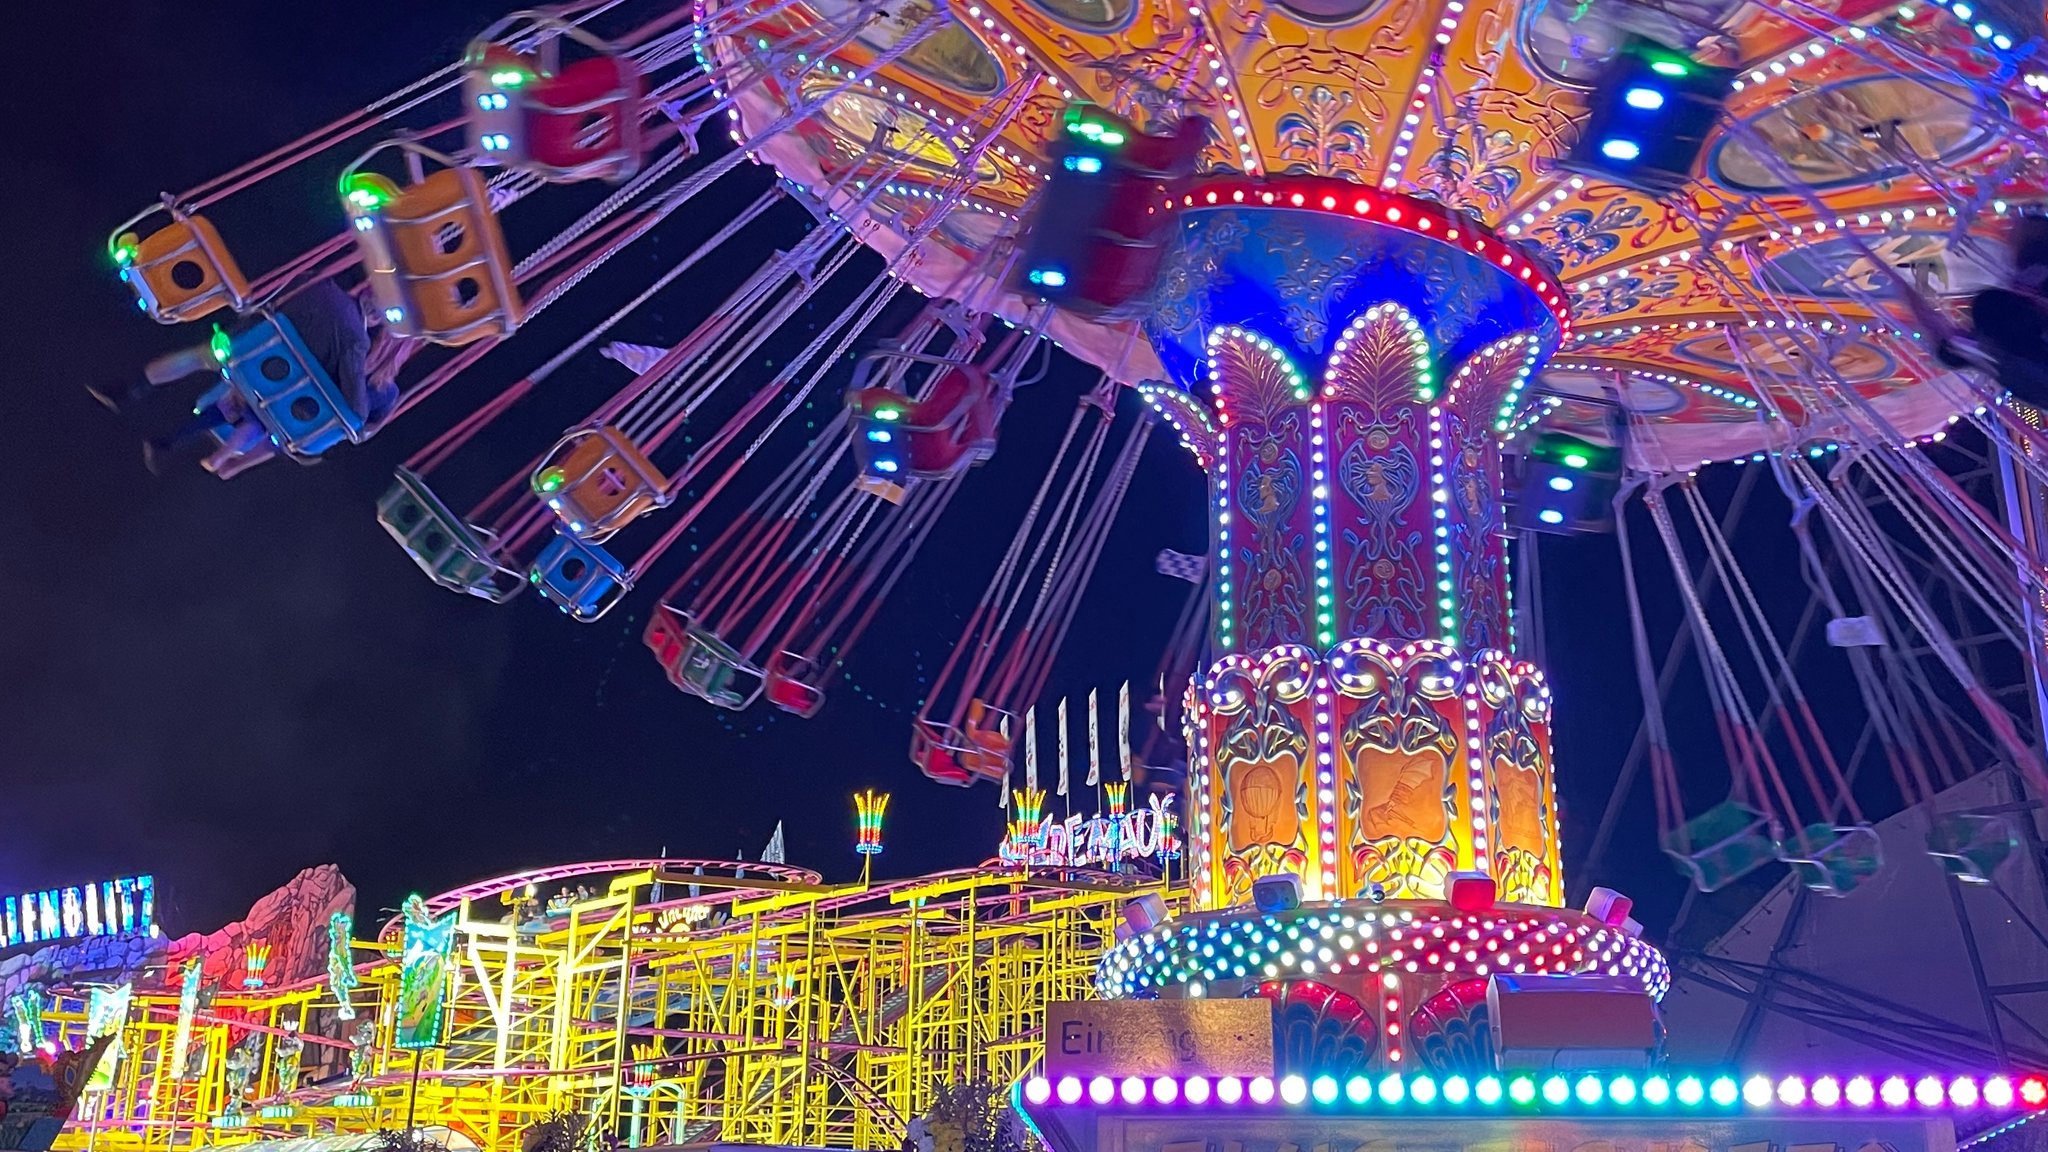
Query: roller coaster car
{"type": "Point", "coordinates": [1970, 847]}
{"type": "Point", "coordinates": [952, 427]}
{"type": "Point", "coordinates": [596, 481]}
{"type": "Point", "coordinates": [432, 250]}
{"type": "Point", "coordinates": [702, 664]}
{"type": "Point", "coordinates": [181, 271]}
{"type": "Point", "coordinates": [451, 552]}
{"type": "Point", "coordinates": [1101, 228]}
{"type": "Point", "coordinates": [580, 578]}
{"type": "Point", "coordinates": [287, 390]}
{"type": "Point", "coordinates": [792, 685]}
{"type": "Point", "coordinates": [1722, 845]}
{"type": "Point", "coordinates": [1833, 861]}
{"type": "Point", "coordinates": [579, 121]}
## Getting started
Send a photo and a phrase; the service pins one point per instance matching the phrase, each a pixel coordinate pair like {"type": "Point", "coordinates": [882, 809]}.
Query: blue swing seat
{"type": "Point", "coordinates": [289, 392]}
{"type": "Point", "coordinates": [580, 578]}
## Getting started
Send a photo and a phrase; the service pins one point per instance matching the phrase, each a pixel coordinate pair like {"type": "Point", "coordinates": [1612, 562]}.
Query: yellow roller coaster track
{"type": "Point", "coordinates": [766, 1008]}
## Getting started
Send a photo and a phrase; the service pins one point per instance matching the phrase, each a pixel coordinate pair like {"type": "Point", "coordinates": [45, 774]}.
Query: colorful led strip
{"type": "Point", "coordinates": [1551, 1093]}
{"type": "Point", "coordinates": [1358, 936]}
{"type": "Point", "coordinates": [1422, 217]}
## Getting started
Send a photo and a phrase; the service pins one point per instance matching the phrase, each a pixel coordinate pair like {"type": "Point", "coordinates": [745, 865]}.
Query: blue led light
{"type": "Point", "coordinates": [1647, 99]}
{"type": "Point", "coordinates": [1550, 516]}
{"type": "Point", "coordinates": [1618, 149]}
{"type": "Point", "coordinates": [1560, 483]}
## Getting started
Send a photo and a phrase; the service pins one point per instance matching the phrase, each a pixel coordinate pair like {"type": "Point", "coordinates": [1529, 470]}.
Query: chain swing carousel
{"type": "Point", "coordinates": [1414, 282]}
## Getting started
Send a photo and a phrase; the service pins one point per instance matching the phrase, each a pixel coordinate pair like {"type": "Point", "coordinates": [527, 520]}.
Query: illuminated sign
{"type": "Point", "coordinates": [1099, 841]}
{"type": "Point", "coordinates": [1088, 1038]}
{"type": "Point", "coordinates": [109, 908]}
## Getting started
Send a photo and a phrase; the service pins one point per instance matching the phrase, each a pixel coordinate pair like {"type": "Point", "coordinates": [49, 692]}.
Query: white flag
{"type": "Point", "coordinates": [1031, 748]}
{"type": "Point", "coordinates": [1003, 801]}
{"type": "Point", "coordinates": [772, 854]}
{"type": "Point", "coordinates": [1094, 745]}
{"type": "Point", "coordinates": [1063, 745]}
{"type": "Point", "coordinates": [1123, 728]}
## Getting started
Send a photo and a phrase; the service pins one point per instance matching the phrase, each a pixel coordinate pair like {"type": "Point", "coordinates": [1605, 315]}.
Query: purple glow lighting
{"type": "Point", "coordinates": [1230, 1090]}
{"type": "Point", "coordinates": [1894, 1091]}
{"type": "Point", "coordinates": [1827, 1092]}
{"type": "Point", "coordinates": [1962, 1092]}
{"type": "Point", "coordinates": [1792, 1091]}
{"type": "Point", "coordinates": [1100, 1090]}
{"type": "Point", "coordinates": [1133, 1090]}
{"type": "Point", "coordinates": [1196, 1090]}
{"type": "Point", "coordinates": [1165, 1090]}
{"type": "Point", "coordinates": [1261, 1090]}
{"type": "Point", "coordinates": [1038, 1089]}
{"type": "Point", "coordinates": [1069, 1090]}
{"type": "Point", "coordinates": [1861, 1092]}
{"type": "Point", "coordinates": [1998, 1092]}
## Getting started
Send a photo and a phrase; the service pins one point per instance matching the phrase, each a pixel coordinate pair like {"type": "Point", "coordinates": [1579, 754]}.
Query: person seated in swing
{"type": "Point", "coordinates": [336, 328]}
{"type": "Point", "coordinates": [2008, 332]}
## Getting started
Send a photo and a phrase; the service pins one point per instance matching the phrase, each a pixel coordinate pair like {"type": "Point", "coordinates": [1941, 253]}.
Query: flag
{"type": "Point", "coordinates": [1123, 728]}
{"type": "Point", "coordinates": [1181, 565]}
{"type": "Point", "coordinates": [1094, 744]}
{"type": "Point", "coordinates": [772, 854]}
{"type": "Point", "coordinates": [1031, 748]}
{"type": "Point", "coordinates": [1063, 745]}
{"type": "Point", "coordinates": [637, 357]}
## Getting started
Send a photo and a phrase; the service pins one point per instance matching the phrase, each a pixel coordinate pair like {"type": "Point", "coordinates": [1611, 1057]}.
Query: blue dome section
{"type": "Point", "coordinates": [1297, 276]}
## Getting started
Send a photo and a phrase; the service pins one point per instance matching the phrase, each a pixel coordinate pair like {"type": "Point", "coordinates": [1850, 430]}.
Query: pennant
{"type": "Point", "coordinates": [1123, 728]}
{"type": "Point", "coordinates": [1181, 565]}
{"type": "Point", "coordinates": [1031, 748]}
{"type": "Point", "coordinates": [1063, 746]}
{"type": "Point", "coordinates": [1003, 801]}
{"type": "Point", "coordinates": [1094, 744]}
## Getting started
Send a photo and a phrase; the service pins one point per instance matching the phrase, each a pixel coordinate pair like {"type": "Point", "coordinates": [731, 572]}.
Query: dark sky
{"type": "Point", "coordinates": [222, 683]}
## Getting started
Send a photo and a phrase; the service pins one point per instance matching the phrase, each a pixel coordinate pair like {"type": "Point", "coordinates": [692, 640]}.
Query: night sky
{"type": "Point", "coordinates": [223, 683]}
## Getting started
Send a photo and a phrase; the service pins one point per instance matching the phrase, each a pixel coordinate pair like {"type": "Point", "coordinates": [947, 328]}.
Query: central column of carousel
{"type": "Point", "coordinates": [1347, 363]}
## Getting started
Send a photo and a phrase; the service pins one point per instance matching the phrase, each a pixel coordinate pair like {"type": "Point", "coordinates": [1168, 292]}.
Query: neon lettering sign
{"type": "Point", "coordinates": [109, 908]}
{"type": "Point", "coordinates": [1104, 840]}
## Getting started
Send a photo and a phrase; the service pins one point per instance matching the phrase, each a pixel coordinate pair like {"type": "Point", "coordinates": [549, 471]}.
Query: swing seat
{"type": "Point", "coordinates": [580, 122]}
{"type": "Point", "coordinates": [1831, 860]}
{"type": "Point", "coordinates": [792, 685]}
{"type": "Point", "coordinates": [1970, 848]}
{"type": "Point", "coordinates": [709, 668]}
{"type": "Point", "coordinates": [434, 255]}
{"type": "Point", "coordinates": [583, 123]}
{"type": "Point", "coordinates": [580, 578]}
{"type": "Point", "coordinates": [451, 553]}
{"type": "Point", "coordinates": [1100, 234]}
{"type": "Point", "coordinates": [984, 749]}
{"type": "Point", "coordinates": [289, 391]}
{"type": "Point", "coordinates": [596, 481]}
{"type": "Point", "coordinates": [1722, 845]}
{"type": "Point", "coordinates": [936, 756]}
{"type": "Point", "coordinates": [952, 428]}
{"type": "Point", "coordinates": [181, 271]}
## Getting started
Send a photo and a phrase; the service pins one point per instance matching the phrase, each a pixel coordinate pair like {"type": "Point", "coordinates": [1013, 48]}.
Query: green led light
{"type": "Point", "coordinates": [1622, 1090]}
{"type": "Point", "coordinates": [1358, 1090]}
{"type": "Point", "coordinates": [222, 344]}
{"type": "Point", "coordinates": [1111, 137]}
{"type": "Point", "coordinates": [1587, 1090]}
{"type": "Point", "coordinates": [1723, 1091]}
{"type": "Point", "coordinates": [1576, 460]}
{"type": "Point", "coordinates": [551, 481]}
{"type": "Point", "coordinates": [1691, 1091]}
{"type": "Point", "coordinates": [1456, 1090]}
{"type": "Point", "coordinates": [124, 255]}
{"type": "Point", "coordinates": [888, 413]}
{"type": "Point", "coordinates": [1656, 1090]}
{"type": "Point", "coordinates": [1556, 1091]}
{"type": "Point", "coordinates": [509, 78]}
{"type": "Point", "coordinates": [1521, 1090]}
{"type": "Point", "coordinates": [1423, 1090]}
{"type": "Point", "coordinates": [1391, 1090]}
{"type": "Point", "coordinates": [1668, 68]}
